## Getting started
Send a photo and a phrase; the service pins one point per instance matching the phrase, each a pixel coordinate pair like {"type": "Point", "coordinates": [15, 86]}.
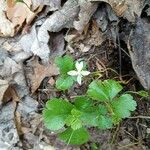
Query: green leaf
{"type": "Point", "coordinates": [97, 117]}
{"type": "Point", "coordinates": [19, 1]}
{"type": "Point", "coordinates": [123, 106]}
{"type": "Point", "coordinates": [102, 109]}
{"type": "Point", "coordinates": [64, 82]}
{"type": "Point", "coordinates": [104, 91]}
{"type": "Point", "coordinates": [92, 115]}
{"type": "Point", "coordinates": [83, 103]}
{"type": "Point", "coordinates": [94, 146]}
{"type": "Point", "coordinates": [143, 93]}
{"type": "Point", "coordinates": [89, 119]}
{"type": "Point", "coordinates": [89, 111]}
{"type": "Point", "coordinates": [75, 137]}
{"type": "Point", "coordinates": [65, 64]}
{"type": "Point", "coordinates": [55, 113]}
{"type": "Point", "coordinates": [73, 120]}
{"type": "Point", "coordinates": [104, 122]}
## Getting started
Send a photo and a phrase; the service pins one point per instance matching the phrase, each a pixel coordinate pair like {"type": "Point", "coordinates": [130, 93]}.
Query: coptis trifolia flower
{"type": "Point", "coordinates": [79, 72]}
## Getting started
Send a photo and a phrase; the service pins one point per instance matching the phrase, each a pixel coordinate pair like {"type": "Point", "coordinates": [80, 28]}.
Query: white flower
{"type": "Point", "coordinates": [79, 72]}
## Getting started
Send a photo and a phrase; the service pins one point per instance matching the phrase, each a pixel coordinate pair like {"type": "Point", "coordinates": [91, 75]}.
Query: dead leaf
{"type": "Point", "coordinates": [28, 2]}
{"type": "Point", "coordinates": [6, 27]}
{"type": "Point", "coordinates": [19, 13]}
{"type": "Point", "coordinates": [11, 94]}
{"type": "Point", "coordinates": [87, 9]}
{"type": "Point", "coordinates": [51, 81]}
{"type": "Point", "coordinates": [84, 41]}
{"type": "Point", "coordinates": [39, 72]}
{"type": "Point", "coordinates": [107, 21]}
{"type": "Point", "coordinates": [9, 67]}
{"type": "Point", "coordinates": [7, 126]}
{"type": "Point", "coordinates": [125, 8]}
{"type": "Point", "coordinates": [60, 19]}
{"type": "Point", "coordinates": [10, 3]}
{"type": "Point", "coordinates": [13, 14]}
{"type": "Point", "coordinates": [54, 4]}
{"type": "Point", "coordinates": [57, 44]}
{"type": "Point", "coordinates": [7, 92]}
{"type": "Point", "coordinates": [3, 87]}
{"type": "Point", "coordinates": [139, 49]}
{"type": "Point", "coordinates": [84, 48]}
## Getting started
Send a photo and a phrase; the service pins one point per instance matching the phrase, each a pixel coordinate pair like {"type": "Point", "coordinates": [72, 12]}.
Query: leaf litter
{"type": "Point", "coordinates": [85, 28]}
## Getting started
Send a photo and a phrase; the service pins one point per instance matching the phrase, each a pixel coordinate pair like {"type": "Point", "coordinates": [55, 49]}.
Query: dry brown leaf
{"type": "Point", "coordinates": [19, 13]}
{"type": "Point", "coordinates": [11, 94]}
{"type": "Point", "coordinates": [7, 92]}
{"type": "Point", "coordinates": [39, 73]}
{"type": "Point", "coordinates": [13, 14]}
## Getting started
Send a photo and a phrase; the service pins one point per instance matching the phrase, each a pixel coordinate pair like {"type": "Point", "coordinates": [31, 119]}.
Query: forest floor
{"type": "Point", "coordinates": [113, 37]}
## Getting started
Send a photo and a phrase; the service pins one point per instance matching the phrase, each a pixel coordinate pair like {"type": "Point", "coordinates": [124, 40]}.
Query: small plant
{"type": "Point", "coordinates": [102, 106]}
{"type": "Point", "coordinates": [70, 72]}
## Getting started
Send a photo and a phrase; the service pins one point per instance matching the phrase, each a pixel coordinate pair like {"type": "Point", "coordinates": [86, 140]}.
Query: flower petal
{"type": "Point", "coordinates": [79, 79]}
{"type": "Point", "coordinates": [79, 66]}
{"type": "Point", "coordinates": [72, 73]}
{"type": "Point", "coordinates": [85, 73]}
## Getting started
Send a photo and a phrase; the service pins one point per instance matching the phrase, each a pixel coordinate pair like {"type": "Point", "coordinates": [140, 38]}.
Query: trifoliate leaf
{"type": "Point", "coordinates": [89, 119]}
{"type": "Point", "coordinates": [104, 91]}
{"type": "Point", "coordinates": [143, 93]}
{"type": "Point", "coordinates": [75, 137]}
{"type": "Point", "coordinates": [55, 113]}
{"type": "Point", "coordinates": [123, 106]}
{"type": "Point", "coordinates": [83, 103]}
{"type": "Point", "coordinates": [102, 109]}
{"type": "Point", "coordinates": [104, 122]}
{"type": "Point", "coordinates": [91, 115]}
{"type": "Point", "coordinates": [64, 82]}
{"type": "Point", "coordinates": [89, 111]}
{"type": "Point", "coordinates": [73, 120]}
{"type": "Point", "coordinates": [76, 112]}
{"type": "Point", "coordinates": [65, 64]}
